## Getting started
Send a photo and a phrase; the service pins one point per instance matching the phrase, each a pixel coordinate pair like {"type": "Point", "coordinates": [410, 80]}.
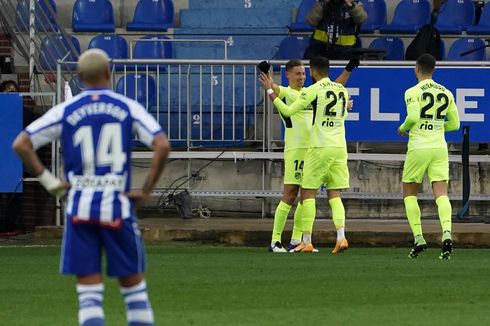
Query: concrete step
{"type": "Point", "coordinates": [257, 232]}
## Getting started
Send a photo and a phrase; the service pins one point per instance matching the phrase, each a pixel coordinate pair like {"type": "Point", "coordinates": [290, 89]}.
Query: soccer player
{"type": "Point", "coordinates": [296, 143]}
{"type": "Point", "coordinates": [430, 112]}
{"type": "Point", "coordinates": [96, 130]}
{"type": "Point", "coordinates": [326, 158]}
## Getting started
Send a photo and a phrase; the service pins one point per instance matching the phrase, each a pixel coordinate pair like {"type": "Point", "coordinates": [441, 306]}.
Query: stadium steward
{"type": "Point", "coordinates": [336, 25]}
{"type": "Point", "coordinates": [96, 130]}
{"type": "Point", "coordinates": [431, 112]}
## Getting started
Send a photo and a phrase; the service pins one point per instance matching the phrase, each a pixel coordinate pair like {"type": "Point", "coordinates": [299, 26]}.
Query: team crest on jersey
{"type": "Point", "coordinates": [297, 175]}
{"type": "Point", "coordinates": [95, 97]}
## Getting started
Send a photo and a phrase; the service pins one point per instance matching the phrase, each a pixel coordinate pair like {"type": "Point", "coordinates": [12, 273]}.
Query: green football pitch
{"type": "Point", "coordinates": [192, 284]}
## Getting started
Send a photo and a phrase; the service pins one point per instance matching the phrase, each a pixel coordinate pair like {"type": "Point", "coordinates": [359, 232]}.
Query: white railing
{"type": "Point", "coordinates": [209, 104]}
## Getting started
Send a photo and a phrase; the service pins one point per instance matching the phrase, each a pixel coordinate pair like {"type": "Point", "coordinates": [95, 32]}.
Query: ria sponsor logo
{"type": "Point", "coordinates": [330, 123]}
{"type": "Point", "coordinates": [426, 126]}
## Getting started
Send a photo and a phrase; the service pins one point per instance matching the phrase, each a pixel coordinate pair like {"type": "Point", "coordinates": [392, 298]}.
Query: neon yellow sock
{"type": "Point", "coordinates": [413, 214]}
{"type": "Point", "coordinates": [298, 224]}
{"type": "Point", "coordinates": [338, 212]}
{"type": "Point", "coordinates": [445, 213]}
{"type": "Point", "coordinates": [280, 218]}
{"type": "Point", "coordinates": [309, 211]}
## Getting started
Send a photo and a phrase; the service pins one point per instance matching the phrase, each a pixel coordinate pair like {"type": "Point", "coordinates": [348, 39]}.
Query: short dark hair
{"type": "Point", "coordinates": [426, 63]}
{"type": "Point", "coordinates": [293, 63]}
{"type": "Point", "coordinates": [320, 64]}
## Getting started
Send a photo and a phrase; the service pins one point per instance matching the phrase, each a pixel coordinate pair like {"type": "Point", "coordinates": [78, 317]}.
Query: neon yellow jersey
{"type": "Point", "coordinates": [430, 112]}
{"type": "Point", "coordinates": [329, 102]}
{"type": "Point", "coordinates": [298, 126]}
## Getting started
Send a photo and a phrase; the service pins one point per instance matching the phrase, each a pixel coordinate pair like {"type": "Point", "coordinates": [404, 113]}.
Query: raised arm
{"type": "Point", "coordinates": [305, 98]}
{"type": "Point", "coordinates": [344, 76]}
{"type": "Point", "coordinates": [356, 11]}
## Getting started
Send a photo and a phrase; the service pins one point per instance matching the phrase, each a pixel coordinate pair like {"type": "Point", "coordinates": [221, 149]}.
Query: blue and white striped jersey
{"type": "Point", "coordinates": [96, 129]}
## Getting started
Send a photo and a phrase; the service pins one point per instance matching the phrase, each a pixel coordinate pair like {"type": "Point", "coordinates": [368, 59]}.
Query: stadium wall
{"type": "Point", "coordinates": [367, 177]}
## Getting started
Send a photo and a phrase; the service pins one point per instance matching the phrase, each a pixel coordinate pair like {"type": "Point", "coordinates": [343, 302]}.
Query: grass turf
{"type": "Point", "coordinates": [204, 285]}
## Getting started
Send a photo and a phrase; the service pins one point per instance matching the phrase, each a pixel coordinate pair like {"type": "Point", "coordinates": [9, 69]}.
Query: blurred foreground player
{"type": "Point", "coordinates": [326, 158]}
{"type": "Point", "coordinates": [298, 129]}
{"type": "Point", "coordinates": [96, 129]}
{"type": "Point", "coordinates": [431, 112]}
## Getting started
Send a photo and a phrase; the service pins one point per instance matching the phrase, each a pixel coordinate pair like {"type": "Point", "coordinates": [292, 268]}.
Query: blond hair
{"type": "Point", "coordinates": [93, 65]}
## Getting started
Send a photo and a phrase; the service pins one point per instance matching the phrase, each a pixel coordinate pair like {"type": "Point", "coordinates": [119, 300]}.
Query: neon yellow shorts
{"type": "Point", "coordinates": [433, 161]}
{"type": "Point", "coordinates": [294, 160]}
{"type": "Point", "coordinates": [326, 166]}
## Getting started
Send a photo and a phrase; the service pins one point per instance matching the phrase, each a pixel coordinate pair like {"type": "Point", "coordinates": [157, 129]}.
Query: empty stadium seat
{"type": "Point", "coordinates": [466, 44]}
{"type": "Point", "coordinates": [409, 16]}
{"type": "Point", "coordinates": [115, 46]}
{"type": "Point", "coordinates": [300, 25]}
{"type": "Point", "coordinates": [56, 47]}
{"type": "Point", "coordinates": [376, 11]}
{"type": "Point", "coordinates": [394, 47]}
{"type": "Point", "coordinates": [239, 4]}
{"type": "Point", "coordinates": [135, 87]}
{"type": "Point", "coordinates": [152, 15]}
{"type": "Point", "coordinates": [483, 26]}
{"type": "Point", "coordinates": [44, 22]}
{"type": "Point", "coordinates": [234, 18]}
{"type": "Point", "coordinates": [293, 47]}
{"type": "Point", "coordinates": [93, 16]}
{"type": "Point", "coordinates": [152, 47]}
{"type": "Point", "coordinates": [455, 16]}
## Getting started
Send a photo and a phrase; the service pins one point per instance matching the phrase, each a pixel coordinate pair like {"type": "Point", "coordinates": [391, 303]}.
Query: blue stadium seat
{"type": "Point", "coordinates": [152, 15]}
{"type": "Point", "coordinates": [152, 47]}
{"type": "Point", "coordinates": [234, 18]}
{"type": "Point", "coordinates": [115, 46]}
{"type": "Point", "coordinates": [56, 47]}
{"type": "Point", "coordinates": [466, 44]}
{"type": "Point", "coordinates": [376, 11]}
{"type": "Point", "coordinates": [443, 50]}
{"type": "Point", "coordinates": [44, 22]}
{"type": "Point", "coordinates": [293, 47]}
{"type": "Point", "coordinates": [409, 16]}
{"type": "Point", "coordinates": [93, 16]}
{"type": "Point", "coordinates": [455, 16]}
{"type": "Point", "coordinates": [483, 26]}
{"type": "Point", "coordinates": [300, 25]}
{"type": "Point", "coordinates": [394, 47]}
{"type": "Point", "coordinates": [135, 87]}
{"type": "Point", "coordinates": [240, 4]}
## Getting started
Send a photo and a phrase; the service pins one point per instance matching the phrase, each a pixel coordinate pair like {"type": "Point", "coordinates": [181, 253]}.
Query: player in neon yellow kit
{"type": "Point", "coordinates": [296, 141]}
{"type": "Point", "coordinates": [431, 112]}
{"type": "Point", "coordinates": [326, 157]}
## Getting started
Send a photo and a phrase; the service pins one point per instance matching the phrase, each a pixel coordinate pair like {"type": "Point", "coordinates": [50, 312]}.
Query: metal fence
{"type": "Point", "coordinates": [202, 104]}
{"type": "Point", "coordinates": [38, 38]}
{"type": "Point", "coordinates": [216, 109]}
